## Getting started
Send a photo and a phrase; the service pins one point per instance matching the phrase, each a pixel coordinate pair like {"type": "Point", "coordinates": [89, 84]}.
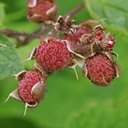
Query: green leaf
{"type": "Point", "coordinates": [2, 13]}
{"type": "Point", "coordinates": [9, 60]}
{"type": "Point", "coordinates": [114, 13]}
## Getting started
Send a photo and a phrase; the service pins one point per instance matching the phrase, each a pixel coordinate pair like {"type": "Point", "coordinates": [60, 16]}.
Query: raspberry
{"type": "Point", "coordinates": [74, 39]}
{"type": "Point", "coordinates": [28, 82]}
{"type": "Point", "coordinates": [53, 55]}
{"type": "Point", "coordinates": [100, 69]}
{"type": "Point", "coordinates": [41, 10]}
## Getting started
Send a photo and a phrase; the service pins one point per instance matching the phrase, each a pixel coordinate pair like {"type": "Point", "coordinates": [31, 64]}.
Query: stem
{"type": "Point", "coordinates": [76, 10]}
{"type": "Point", "coordinates": [12, 33]}
{"type": "Point", "coordinates": [23, 37]}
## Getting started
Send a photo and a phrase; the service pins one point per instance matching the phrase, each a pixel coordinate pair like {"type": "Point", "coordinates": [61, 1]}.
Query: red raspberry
{"type": "Point", "coordinates": [100, 69]}
{"type": "Point", "coordinates": [74, 39]}
{"type": "Point", "coordinates": [41, 10]}
{"type": "Point", "coordinates": [31, 87]}
{"type": "Point", "coordinates": [81, 30]}
{"type": "Point", "coordinates": [53, 55]}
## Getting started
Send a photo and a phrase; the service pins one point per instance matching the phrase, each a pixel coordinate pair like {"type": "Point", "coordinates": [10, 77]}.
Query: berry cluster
{"type": "Point", "coordinates": [95, 45]}
{"type": "Point", "coordinates": [87, 45]}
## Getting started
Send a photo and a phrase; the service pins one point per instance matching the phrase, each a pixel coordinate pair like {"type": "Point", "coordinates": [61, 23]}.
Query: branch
{"type": "Point", "coordinates": [23, 37]}
{"type": "Point", "coordinates": [75, 10]}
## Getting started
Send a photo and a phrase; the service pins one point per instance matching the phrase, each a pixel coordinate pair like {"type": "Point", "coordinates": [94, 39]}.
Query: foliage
{"type": "Point", "coordinates": [114, 13]}
{"type": "Point", "coordinates": [10, 62]}
{"type": "Point", "coordinates": [69, 103]}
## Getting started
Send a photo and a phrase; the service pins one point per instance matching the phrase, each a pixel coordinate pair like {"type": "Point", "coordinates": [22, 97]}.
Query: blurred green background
{"type": "Point", "coordinates": [69, 103]}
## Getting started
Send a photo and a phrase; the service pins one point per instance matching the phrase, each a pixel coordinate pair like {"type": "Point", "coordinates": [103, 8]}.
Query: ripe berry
{"type": "Point", "coordinates": [100, 69]}
{"type": "Point", "coordinates": [41, 10]}
{"type": "Point", "coordinates": [53, 55]}
{"type": "Point", "coordinates": [31, 87]}
{"type": "Point", "coordinates": [74, 39]}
